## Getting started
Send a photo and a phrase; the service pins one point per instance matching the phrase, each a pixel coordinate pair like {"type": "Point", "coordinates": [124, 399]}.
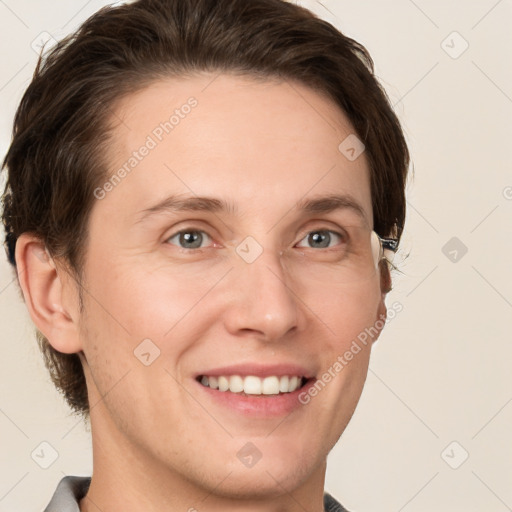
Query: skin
{"type": "Point", "coordinates": [158, 442]}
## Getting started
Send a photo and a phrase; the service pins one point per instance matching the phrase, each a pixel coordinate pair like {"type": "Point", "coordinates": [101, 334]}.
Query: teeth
{"type": "Point", "coordinates": [270, 386]}
{"type": "Point", "coordinates": [252, 385]}
{"type": "Point", "coordinates": [223, 384]}
{"type": "Point", "coordinates": [236, 384]}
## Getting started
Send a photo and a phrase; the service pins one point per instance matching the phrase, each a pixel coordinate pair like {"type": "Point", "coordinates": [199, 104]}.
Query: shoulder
{"type": "Point", "coordinates": [331, 505]}
{"type": "Point", "coordinates": [70, 490]}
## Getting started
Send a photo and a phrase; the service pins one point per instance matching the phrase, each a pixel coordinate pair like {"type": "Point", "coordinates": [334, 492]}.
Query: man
{"type": "Point", "coordinates": [199, 202]}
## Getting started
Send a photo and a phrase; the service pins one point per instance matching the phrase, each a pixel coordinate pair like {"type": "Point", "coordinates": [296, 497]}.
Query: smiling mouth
{"type": "Point", "coordinates": [252, 385]}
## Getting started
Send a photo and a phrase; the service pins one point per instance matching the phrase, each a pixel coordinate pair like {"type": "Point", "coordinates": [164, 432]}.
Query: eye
{"type": "Point", "coordinates": [189, 238]}
{"type": "Point", "coordinates": [195, 238]}
{"type": "Point", "coordinates": [321, 239]}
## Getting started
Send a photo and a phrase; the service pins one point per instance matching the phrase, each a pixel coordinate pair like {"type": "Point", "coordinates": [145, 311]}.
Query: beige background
{"type": "Point", "coordinates": [441, 371]}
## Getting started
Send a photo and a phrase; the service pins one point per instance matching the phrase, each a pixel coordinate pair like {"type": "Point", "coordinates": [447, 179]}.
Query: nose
{"type": "Point", "coordinates": [262, 301]}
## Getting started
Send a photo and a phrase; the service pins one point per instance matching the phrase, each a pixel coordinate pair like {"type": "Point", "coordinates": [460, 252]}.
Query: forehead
{"type": "Point", "coordinates": [259, 144]}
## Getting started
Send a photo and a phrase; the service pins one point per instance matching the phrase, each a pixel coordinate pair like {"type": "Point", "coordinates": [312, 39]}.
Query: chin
{"type": "Point", "coordinates": [259, 483]}
{"type": "Point", "coordinates": [275, 470]}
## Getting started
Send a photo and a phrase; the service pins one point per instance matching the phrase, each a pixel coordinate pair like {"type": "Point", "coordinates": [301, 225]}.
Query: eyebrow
{"type": "Point", "coordinates": [315, 205]}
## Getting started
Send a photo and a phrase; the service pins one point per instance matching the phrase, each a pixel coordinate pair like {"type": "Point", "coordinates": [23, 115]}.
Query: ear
{"type": "Point", "coordinates": [48, 292]}
{"type": "Point", "coordinates": [385, 287]}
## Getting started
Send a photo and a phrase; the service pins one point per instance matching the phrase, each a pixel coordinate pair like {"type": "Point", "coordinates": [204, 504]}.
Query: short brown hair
{"type": "Point", "coordinates": [61, 126]}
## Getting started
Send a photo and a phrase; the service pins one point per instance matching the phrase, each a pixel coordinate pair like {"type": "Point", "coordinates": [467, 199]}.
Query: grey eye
{"type": "Point", "coordinates": [321, 239]}
{"type": "Point", "coordinates": [189, 239]}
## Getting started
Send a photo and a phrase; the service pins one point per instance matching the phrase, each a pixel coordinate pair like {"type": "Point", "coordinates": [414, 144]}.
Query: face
{"type": "Point", "coordinates": [181, 289]}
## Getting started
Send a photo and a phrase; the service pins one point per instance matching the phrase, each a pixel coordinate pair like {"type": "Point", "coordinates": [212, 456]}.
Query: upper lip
{"type": "Point", "coordinates": [259, 370]}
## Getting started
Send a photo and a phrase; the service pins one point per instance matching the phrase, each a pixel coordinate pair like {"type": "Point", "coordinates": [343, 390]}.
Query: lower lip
{"type": "Point", "coordinates": [259, 405]}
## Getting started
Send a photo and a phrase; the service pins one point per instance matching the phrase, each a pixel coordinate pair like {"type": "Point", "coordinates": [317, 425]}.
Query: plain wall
{"type": "Point", "coordinates": [440, 381]}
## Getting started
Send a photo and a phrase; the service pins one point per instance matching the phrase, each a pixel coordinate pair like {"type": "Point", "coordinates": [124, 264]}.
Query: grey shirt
{"type": "Point", "coordinates": [72, 489]}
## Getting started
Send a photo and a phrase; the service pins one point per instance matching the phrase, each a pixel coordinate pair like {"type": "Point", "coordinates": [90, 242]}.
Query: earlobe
{"type": "Point", "coordinates": [44, 290]}
{"type": "Point", "coordinates": [382, 310]}
{"type": "Point", "coordinates": [380, 320]}
{"type": "Point", "coordinates": [385, 277]}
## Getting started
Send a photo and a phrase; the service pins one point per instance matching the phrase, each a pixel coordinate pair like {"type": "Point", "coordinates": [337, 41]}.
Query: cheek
{"type": "Point", "coordinates": [130, 312]}
{"type": "Point", "coordinates": [347, 312]}
{"type": "Point", "coordinates": [351, 317]}
{"type": "Point", "coordinates": [129, 305]}
{"type": "Point", "coordinates": [140, 301]}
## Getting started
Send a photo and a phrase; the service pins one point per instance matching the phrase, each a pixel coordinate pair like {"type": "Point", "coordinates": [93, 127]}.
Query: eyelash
{"type": "Point", "coordinates": [197, 249]}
